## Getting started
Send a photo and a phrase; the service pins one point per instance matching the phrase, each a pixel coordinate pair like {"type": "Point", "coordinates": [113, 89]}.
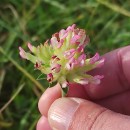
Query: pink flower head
{"type": "Point", "coordinates": [63, 59]}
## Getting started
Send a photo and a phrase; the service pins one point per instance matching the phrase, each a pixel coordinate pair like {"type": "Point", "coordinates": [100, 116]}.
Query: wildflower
{"type": "Point", "coordinates": [63, 60]}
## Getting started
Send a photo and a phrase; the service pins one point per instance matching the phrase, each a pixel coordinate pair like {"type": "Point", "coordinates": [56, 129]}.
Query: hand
{"type": "Point", "coordinates": [96, 107]}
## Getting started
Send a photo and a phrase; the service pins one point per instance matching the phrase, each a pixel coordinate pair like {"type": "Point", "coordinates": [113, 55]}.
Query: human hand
{"type": "Point", "coordinates": [97, 107]}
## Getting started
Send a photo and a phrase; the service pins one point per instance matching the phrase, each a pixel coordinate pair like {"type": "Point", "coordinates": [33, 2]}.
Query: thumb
{"type": "Point", "coordinates": [79, 114]}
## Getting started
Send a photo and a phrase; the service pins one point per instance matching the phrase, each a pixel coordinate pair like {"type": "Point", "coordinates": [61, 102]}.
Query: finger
{"type": "Point", "coordinates": [43, 124]}
{"type": "Point", "coordinates": [53, 93]}
{"type": "Point", "coordinates": [118, 103]}
{"type": "Point", "coordinates": [78, 114]}
{"type": "Point", "coordinates": [48, 97]}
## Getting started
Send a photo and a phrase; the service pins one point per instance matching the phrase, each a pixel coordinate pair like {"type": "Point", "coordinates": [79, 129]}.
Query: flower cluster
{"type": "Point", "coordinates": [62, 58]}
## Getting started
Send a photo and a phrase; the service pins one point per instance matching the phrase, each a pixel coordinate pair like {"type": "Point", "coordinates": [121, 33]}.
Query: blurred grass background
{"type": "Point", "coordinates": [107, 22]}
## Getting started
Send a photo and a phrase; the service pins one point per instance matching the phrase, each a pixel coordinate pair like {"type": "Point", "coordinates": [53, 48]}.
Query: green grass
{"type": "Point", "coordinates": [107, 22]}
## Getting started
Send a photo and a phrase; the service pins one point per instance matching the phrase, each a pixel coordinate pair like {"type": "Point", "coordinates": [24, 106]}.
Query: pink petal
{"type": "Point", "coordinates": [65, 84]}
{"type": "Point", "coordinates": [55, 68]}
{"type": "Point", "coordinates": [54, 42]}
{"type": "Point", "coordinates": [63, 34]}
{"type": "Point", "coordinates": [49, 77]}
{"type": "Point", "coordinates": [82, 59]}
{"type": "Point", "coordinates": [54, 56]}
{"type": "Point", "coordinates": [54, 59]}
{"type": "Point", "coordinates": [74, 39]}
{"type": "Point", "coordinates": [38, 64]}
{"type": "Point", "coordinates": [60, 43]}
{"type": "Point", "coordinates": [71, 64]}
{"type": "Point", "coordinates": [94, 58]}
{"type": "Point", "coordinates": [80, 49]}
{"type": "Point", "coordinates": [30, 46]}
{"type": "Point", "coordinates": [46, 42]}
{"type": "Point", "coordinates": [22, 53]}
{"type": "Point", "coordinates": [83, 81]}
{"type": "Point", "coordinates": [86, 41]}
{"type": "Point", "coordinates": [56, 35]}
{"type": "Point", "coordinates": [99, 76]}
{"type": "Point", "coordinates": [68, 66]}
{"type": "Point", "coordinates": [100, 63]}
{"type": "Point", "coordinates": [71, 27]}
{"type": "Point", "coordinates": [69, 54]}
{"type": "Point", "coordinates": [97, 79]}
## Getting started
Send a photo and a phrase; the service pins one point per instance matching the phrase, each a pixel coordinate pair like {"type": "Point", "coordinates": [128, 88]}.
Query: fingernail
{"type": "Point", "coordinates": [61, 113]}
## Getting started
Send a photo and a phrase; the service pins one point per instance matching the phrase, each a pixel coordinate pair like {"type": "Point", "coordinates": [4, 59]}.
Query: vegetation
{"type": "Point", "coordinates": [107, 22]}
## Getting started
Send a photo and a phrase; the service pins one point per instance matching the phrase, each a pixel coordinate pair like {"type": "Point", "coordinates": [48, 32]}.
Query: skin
{"type": "Point", "coordinates": [108, 102]}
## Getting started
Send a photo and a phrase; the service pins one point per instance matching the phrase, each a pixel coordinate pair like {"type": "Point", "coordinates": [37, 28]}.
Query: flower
{"type": "Point", "coordinates": [62, 58]}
